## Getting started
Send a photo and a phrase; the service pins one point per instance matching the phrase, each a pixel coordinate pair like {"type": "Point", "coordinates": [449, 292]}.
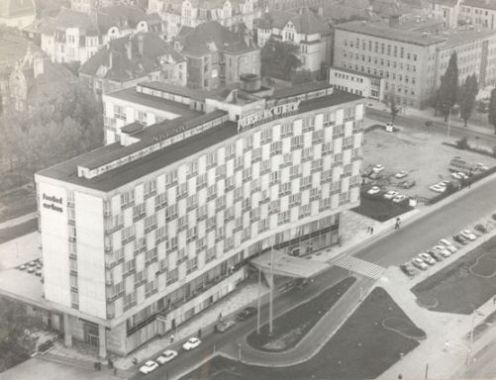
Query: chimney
{"type": "Point", "coordinates": [140, 44]}
{"type": "Point", "coordinates": [129, 49]}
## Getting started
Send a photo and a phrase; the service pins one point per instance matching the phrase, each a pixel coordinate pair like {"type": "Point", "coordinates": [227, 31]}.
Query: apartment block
{"type": "Point", "coordinates": [142, 234]}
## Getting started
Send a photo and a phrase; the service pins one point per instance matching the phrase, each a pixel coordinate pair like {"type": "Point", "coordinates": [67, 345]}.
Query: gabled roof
{"type": "Point", "coordinates": [305, 22]}
{"type": "Point", "coordinates": [212, 36]}
{"type": "Point", "coordinates": [126, 68]}
{"type": "Point", "coordinates": [16, 8]}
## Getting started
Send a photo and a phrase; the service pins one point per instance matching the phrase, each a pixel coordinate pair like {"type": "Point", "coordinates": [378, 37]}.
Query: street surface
{"type": "Point", "coordinates": [391, 250]}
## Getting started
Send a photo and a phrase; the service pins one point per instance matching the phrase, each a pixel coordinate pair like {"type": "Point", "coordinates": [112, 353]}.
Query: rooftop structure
{"type": "Point", "coordinates": [17, 13]}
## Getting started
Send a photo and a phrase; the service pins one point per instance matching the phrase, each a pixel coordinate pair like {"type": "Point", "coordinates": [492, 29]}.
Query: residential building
{"type": "Point", "coordinates": [88, 6]}
{"type": "Point", "coordinates": [480, 13]}
{"type": "Point", "coordinates": [74, 36]}
{"type": "Point", "coordinates": [141, 235]}
{"type": "Point", "coordinates": [412, 56]}
{"type": "Point", "coordinates": [17, 13]}
{"type": "Point", "coordinates": [304, 29]}
{"type": "Point", "coordinates": [131, 59]}
{"type": "Point", "coordinates": [191, 13]}
{"type": "Point", "coordinates": [216, 56]}
{"type": "Point", "coordinates": [356, 82]}
{"type": "Point", "coordinates": [448, 11]}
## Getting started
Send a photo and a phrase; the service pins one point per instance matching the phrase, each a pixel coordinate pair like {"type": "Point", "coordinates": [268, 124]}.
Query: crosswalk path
{"type": "Point", "coordinates": [359, 266]}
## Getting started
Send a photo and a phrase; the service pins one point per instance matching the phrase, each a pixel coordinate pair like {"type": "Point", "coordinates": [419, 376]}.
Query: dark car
{"type": "Point", "coordinates": [246, 313]}
{"type": "Point", "coordinates": [408, 270]}
{"type": "Point", "coordinates": [480, 228]}
{"type": "Point", "coordinates": [435, 255]}
{"type": "Point", "coordinates": [460, 239]}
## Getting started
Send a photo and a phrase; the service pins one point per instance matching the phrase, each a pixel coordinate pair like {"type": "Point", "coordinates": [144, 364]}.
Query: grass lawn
{"type": "Point", "coordinates": [362, 348]}
{"type": "Point", "coordinates": [292, 326]}
{"type": "Point", "coordinates": [380, 209]}
{"type": "Point", "coordinates": [17, 203]}
{"type": "Point", "coordinates": [10, 233]}
{"type": "Point", "coordinates": [464, 285]}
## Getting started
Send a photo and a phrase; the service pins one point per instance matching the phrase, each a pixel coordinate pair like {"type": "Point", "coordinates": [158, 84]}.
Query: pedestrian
{"type": "Point", "coordinates": [371, 230]}
{"type": "Point", "coordinates": [494, 300]}
{"type": "Point", "coordinates": [172, 338]}
{"type": "Point", "coordinates": [199, 333]}
{"type": "Point", "coordinates": [115, 371]}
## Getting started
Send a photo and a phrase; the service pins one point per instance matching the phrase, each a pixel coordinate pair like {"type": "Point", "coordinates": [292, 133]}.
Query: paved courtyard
{"type": "Point", "coordinates": [421, 154]}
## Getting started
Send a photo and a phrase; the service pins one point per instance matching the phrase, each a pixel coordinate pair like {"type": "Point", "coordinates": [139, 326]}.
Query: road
{"type": "Point", "coordinates": [437, 126]}
{"type": "Point", "coordinates": [394, 249]}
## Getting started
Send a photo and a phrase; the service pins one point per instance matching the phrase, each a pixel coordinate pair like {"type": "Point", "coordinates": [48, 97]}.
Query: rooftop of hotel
{"type": "Point", "coordinates": [131, 95]}
{"type": "Point", "coordinates": [68, 171]}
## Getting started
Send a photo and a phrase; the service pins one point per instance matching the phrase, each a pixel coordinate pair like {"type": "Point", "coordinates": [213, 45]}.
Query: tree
{"type": "Point", "coordinates": [394, 109]}
{"type": "Point", "coordinates": [468, 94]}
{"type": "Point", "coordinates": [448, 89]}
{"type": "Point", "coordinates": [279, 59]}
{"type": "Point", "coordinates": [492, 109]}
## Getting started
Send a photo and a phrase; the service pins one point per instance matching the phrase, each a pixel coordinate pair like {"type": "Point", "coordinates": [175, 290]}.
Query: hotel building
{"type": "Point", "coordinates": [142, 234]}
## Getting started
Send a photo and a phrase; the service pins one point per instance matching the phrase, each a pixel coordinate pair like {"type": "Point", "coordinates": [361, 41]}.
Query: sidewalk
{"type": "Point", "coordinates": [205, 321]}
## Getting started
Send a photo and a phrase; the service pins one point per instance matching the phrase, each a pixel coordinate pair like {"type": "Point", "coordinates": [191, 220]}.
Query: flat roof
{"type": "Point", "coordinates": [455, 38]}
{"type": "Point", "coordinates": [67, 171]}
{"type": "Point", "coordinates": [176, 90]}
{"type": "Point", "coordinates": [290, 266]}
{"type": "Point", "coordinates": [381, 30]}
{"type": "Point", "coordinates": [131, 95]}
{"type": "Point", "coordinates": [356, 72]}
{"type": "Point", "coordinates": [303, 88]}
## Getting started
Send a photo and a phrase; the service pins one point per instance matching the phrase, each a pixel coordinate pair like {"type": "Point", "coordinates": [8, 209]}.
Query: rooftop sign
{"type": "Point", "coordinates": [269, 113]}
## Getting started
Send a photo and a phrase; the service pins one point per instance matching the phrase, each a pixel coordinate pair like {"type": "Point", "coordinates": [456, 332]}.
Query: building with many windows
{"type": "Point", "coordinates": [412, 56]}
{"type": "Point", "coordinates": [191, 13]}
{"type": "Point", "coordinates": [304, 29]}
{"type": "Point", "coordinates": [131, 59]}
{"type": "Point", "coordinates": [142, 234]}
{"type": "Point", "coordinates": [480, 13]}
{"type": "Point", "coordinates": [366, 85]}
{"type": "Point", "coordinates": [17, 13]}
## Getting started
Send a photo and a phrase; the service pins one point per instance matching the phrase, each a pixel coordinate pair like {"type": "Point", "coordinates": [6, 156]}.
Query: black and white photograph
{"type": "Point", "coordinates": [247, 189]}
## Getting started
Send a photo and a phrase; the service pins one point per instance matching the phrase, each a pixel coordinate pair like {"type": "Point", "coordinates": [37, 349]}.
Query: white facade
{"type": "Point", "coordinates": [479, 14]}
{"type": "Point", "coordinates": [357, 83]}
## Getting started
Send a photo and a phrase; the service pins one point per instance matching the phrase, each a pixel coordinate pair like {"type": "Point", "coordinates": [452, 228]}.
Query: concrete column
{"type": "Point", "coordinates": [102, 342]}
{"type": "Point", "coordinates": [67, 331]}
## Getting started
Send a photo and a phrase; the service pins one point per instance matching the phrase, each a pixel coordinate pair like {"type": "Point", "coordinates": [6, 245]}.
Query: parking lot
{"type": "Point", "coordinates": [421, 155]}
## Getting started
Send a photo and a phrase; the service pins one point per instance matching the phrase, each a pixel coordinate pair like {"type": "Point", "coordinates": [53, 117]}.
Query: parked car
{"type": "Point", "coordinates": [378, 168]}
{"type": "Point", "coordinates": [31, 269]}
{"type": "Point", "coordinates": [38, 272]}
{"type": "Point", "coordinates": [480, 166]}
{"type": "Point", "coordinates": [224, 325]}
{"type": "Point", "coordinates": [401, 174]}
{"type": "Point", "coordinates": [166, 356]}
{"type": "Point", "coordinates": [407, 184]}
{"type": "Point", "coordinates": [449, 246]}
{"type": "Point", "coordinates": [246, 313]}
{"type": "Point", "coordinates": [399, 198]}
{"type": "Point", "coordinates": [419, 263]}
{"type": "Point", "coordinates": [148, 367]}
{"type": "Point", "coordinates": [480, 228]}
{"type": "Point", "coordinates": [22, 267]}
{"type": "Point", "coordinates": [437, 188]}
{"type": "Point", "coordinates": [391, 194]}
{"type": "Point", "coordinates": [436, 255]}
{"type": "Point", "coordinates": [408, 269]}
{"type": "Point", "coordinates": [493, 216]}
{"type": "Point", "coordinates": [191, 343]}
{"type": "Point", "coordinates": [427, 258]}
{"type": "Point", "coordinates": [441, 249]}
{"type": "Point", "coordinates": [468, 235]}
{"type": "Point", "coordinates": [456, 175]}
{"type": "Point", "coordinates": [374, 190]}
{"type": "Point", "coordinates": [460, 239]}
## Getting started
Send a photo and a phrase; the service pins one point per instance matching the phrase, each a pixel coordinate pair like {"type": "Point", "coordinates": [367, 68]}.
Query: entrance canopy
{"type": "Point", "coordinates": [289, 266]}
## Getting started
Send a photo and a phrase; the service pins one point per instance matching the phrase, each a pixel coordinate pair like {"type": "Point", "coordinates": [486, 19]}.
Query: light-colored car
{"type": "Point", "coordinates": [442, 250]}
{"type": "Point", "coordinates": [374, 190]}
{"type": "Point", "coordinates": [399, 198]}
{"type": "Point", "coordinates": [166, 356]}
{"type": "Point", "coordinates": [191, 343]}
{"type": "Point", "coordinates": [463, 175]}
{"type": "Point", "coordinates": [482, 167]}
{"type": "Point", "coordinates": [401, 174]}
{"type": "Point", "coordinates": [437, 188]}
{"type": "Point", "coordinates": [427, 258]}
{"type": "Point", "coordinates": [419, 263]}
{"type": "Point", "coordinates": [449, 245]}
{"type": "Point", "coordinates": [456, 175]}
{"type": "Point", "coordinates": [378, 168]}
{"type": "Point", "coordinates": [391, 194]}
{"type": "Point", "coordinates": [468, 234]}
{"type": "Point", "coordinates": [148, 367]}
